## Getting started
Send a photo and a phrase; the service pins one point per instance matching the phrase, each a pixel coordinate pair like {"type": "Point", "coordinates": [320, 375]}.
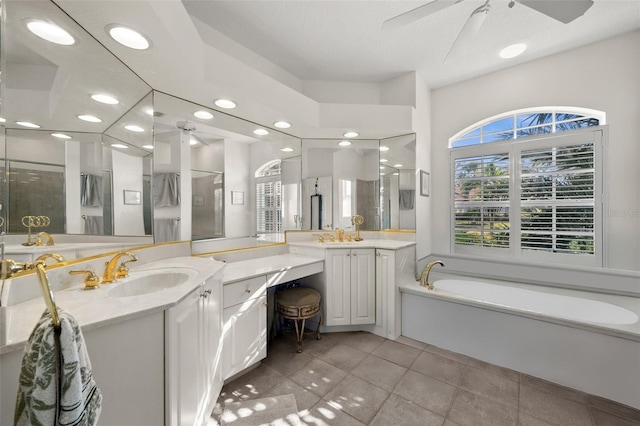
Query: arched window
{"type": "Point", "coordinates": [527, 122]}
{"type": "Point", "coordinates": [527, 184]}
{"type": "Point", "coordinates": [269, 198]}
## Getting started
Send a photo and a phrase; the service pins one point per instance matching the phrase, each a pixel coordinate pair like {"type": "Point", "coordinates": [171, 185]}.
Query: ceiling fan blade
{"type": "Point", "coordinates": [563, 11]}
{"type": "Point", "coordinates": [417, 13]}
{"type": "Point", "coordinates": [469, 30]}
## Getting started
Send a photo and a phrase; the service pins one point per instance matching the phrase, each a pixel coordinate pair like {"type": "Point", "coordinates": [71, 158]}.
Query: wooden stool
{"type": "Point", "coordinates": [299, 303]}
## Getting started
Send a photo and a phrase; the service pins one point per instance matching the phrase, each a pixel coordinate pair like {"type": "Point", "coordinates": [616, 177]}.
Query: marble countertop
{"type": "Point", "coordinates": [96, 308]}
{"type": "Point", "coordinates": [245, 269]}
{"type": "Point", "coordinates": [369, 243]}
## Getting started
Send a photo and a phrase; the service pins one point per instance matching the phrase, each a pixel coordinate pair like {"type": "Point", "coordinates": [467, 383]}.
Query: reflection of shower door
{"type": "Point", "coordinates": [146, 204]}
{"type": "Point", "coordinates": [36, 190]}
{"type": "Point", "coordinates": [207, 212]}
{"type": "Point", "coordinates": [107, 203]}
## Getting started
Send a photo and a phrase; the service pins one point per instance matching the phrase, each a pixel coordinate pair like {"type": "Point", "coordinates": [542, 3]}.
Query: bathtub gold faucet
{"type": "Point", "coordinates": [424, 277]}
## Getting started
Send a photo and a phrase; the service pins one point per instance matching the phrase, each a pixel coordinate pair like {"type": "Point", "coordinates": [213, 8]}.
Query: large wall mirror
{"type": "Point", "coordinates": [371, 178]}
{"type": "Point", "coordinates": [216, 175]}
{"type": "Point", "coordinates": [398, 182]}
{"type": "Point", "coordinates": [74, 129]}
{"type": "Point", "coordinates": [139, 162]}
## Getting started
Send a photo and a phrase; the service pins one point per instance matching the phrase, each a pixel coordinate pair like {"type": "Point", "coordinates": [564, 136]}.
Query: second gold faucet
{"type": "Point", "coordinates": [110, 273]}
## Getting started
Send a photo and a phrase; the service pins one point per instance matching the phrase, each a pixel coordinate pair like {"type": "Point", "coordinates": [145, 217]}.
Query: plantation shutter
{"type": "Point", "coordinates": [557, 196]}
{"type": "Point", "coordinates": [269, 206]}
{"type": "Point", "coordinates": [482, 200]}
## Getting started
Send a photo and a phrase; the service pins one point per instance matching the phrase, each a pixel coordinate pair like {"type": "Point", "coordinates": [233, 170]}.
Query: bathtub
{"type": "Point", "coordinates": [584, 340]}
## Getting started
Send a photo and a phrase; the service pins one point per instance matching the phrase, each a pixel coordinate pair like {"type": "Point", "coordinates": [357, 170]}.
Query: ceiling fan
{"type": "Point", "coordinates": [564, 11]}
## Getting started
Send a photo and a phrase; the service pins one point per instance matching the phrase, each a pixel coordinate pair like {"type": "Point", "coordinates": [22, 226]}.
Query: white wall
{"type": "Point", "coordinates": [238, 219]}
{"type": "Point", "coordinates": [127, 175]}
{"type": "Point", "coordinates": [603, 76]}
{"type": "Point", "coordinates": [422, 120]}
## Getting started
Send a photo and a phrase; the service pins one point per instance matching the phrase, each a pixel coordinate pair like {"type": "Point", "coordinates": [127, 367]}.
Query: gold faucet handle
{"type": "Point", "coordinates": [320, 237]}
{"type": "Point", "coordinates": [123, 270]}
{"type": "Point", "coordinates": [331, 237]}
{"type": "Point", "coordinates": [91, 280]}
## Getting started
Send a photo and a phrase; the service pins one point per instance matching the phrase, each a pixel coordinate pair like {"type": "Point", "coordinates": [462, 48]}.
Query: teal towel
{"type": "Point", "coordinates": [56, 383]}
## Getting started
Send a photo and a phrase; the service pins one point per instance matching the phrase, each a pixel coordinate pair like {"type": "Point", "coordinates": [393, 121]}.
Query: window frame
{"type": "Point", "coordinates": [514, 147]}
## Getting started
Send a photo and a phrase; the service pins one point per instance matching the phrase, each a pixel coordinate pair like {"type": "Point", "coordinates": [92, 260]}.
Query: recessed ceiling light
{"type": "Point", "coordinates": [397, 165]}
{"type": "Point", "coordinates": [119, 145]}
{"type": "Point", "coordinates": [282, 124]}
{"type": "Point", "coordinates": [260, 132]}
{"type": "Point", "coordinates": [50, 32]}
{"type": "Point", "coordinates": [205, 115]}
{"type": "Point", "coordinates": [513, 50]}
{"type": "Point", "coordinates": [134, 128]}
{"type": "Point", "coordinates": [149, 111]}
{"type": "Point", "coordinates": [382, 167]}
{"type": "Point", "coordinates": [344, 143]}
{"type": "Point", "coordinates": [225, 103]}
{"type": "Point", "coordinates": [351, 134]}
{"type": "Point", "coordinates": [396, 174]}
{"type": "Point", "coordinates": [384, 148]}
{"type": "Point", "coordinates": [128, 37]}
{"type": "Point", "coordinates": [147, 146]}
{"type": "Point", "coordinates": [60, 136]}
{"type": "Point", "coordinates": [105, 99]}
{"type": "Point", "coordinates": [90, 118]}
{"type": "Point", "coordinates": [3, 120]}
{"type": "Point", "coordinates": [286, 149]}
{"type": "Point", "coordinates": [193, 141]}
{"type": "Point", "coordinates": [28, 124]}
{"type": "Point", "coordinates": [383, 160]}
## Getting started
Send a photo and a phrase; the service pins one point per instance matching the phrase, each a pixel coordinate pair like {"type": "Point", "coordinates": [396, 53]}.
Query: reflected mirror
{"type": "Point", "coordinates": [398, 182]}
{"type": "Point", "coordinates": [214, 177]}
{"type": "Point", "coordinates": [68, 156]}
{"type": "Point", "coordinates": [340, 178]}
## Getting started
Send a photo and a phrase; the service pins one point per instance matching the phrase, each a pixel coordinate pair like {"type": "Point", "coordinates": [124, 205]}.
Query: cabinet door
{"type": "Point", "coordinates": [183, 348]}
{"type": "Point", "coordinates": [337, 297]}
{"type": "Point", "coordinates": [212, 345]}
{"type": "Point", "coordinates": [385, 287]}
{"type": "Point", "coordinates": [245, 335]}
{"type": "Point", "coordinates": [363, 286]}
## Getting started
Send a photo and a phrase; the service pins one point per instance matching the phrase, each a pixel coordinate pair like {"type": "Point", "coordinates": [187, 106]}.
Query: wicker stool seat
{"type": "Point", "coordinates": [299, 304]}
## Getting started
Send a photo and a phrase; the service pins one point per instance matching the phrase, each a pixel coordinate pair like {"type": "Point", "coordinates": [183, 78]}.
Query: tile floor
{"type": "Point", "coordinates": [361, 379]}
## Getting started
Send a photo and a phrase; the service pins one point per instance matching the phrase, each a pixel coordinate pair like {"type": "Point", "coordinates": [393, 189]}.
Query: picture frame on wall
{"type": "Point", "coordinates": [132, 197]}
{"type": "Point", "coordinates": [237, 197]}
{"type": "Point", "coordinates": [424, 183]}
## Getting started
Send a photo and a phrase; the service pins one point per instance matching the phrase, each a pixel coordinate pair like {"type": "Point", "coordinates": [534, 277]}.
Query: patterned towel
{"type": "Point", "coordinates": [74, 400]}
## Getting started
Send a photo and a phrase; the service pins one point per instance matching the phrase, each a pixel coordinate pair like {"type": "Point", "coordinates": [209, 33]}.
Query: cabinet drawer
{"type": "Point", "coordinates": [241, 291]}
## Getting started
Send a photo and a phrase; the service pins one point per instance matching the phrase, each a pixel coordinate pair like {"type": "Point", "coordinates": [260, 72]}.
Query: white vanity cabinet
{"type": "Point", "coordinates": [350, 290]}
{"type": "Point", "coordinates": [192, 350]}
{"type": "Point", "coordinates": [393, 267]}
{"type": "Point", "coordinates": [245, 324]}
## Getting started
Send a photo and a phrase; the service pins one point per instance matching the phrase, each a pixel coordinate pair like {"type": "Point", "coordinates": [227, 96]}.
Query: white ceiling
{"type": "Point", "coordinates": [344, 41]}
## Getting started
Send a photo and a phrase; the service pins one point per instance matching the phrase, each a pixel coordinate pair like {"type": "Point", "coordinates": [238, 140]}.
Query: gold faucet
{"type": "Point", "coordinates": [47, 237]}
{"type": "Point", "coordinates": [340, 233]}
{"type": "Point", "coordinates": [10, 267]}
{"type": "Point", "coordinates": [55, 256]}
{"type": "Point", "coordinates": [109, 275]}
{"type": "Point", "coordinates": [332, 238]}
{"type": "Point", "coordinates": [424, 277]}
{"type": "Point", "coordinates": [91, 280]}
{"type": "Point", "coordinates": [320, 237]}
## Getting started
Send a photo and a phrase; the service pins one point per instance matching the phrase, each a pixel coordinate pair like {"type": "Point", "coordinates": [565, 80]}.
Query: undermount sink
{"type": "Point", "coordinates": [150, 282]}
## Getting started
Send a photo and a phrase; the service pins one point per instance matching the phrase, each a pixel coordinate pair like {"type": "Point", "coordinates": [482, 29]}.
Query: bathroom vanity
{"type": "Point", "coordinates": [158, 357]}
